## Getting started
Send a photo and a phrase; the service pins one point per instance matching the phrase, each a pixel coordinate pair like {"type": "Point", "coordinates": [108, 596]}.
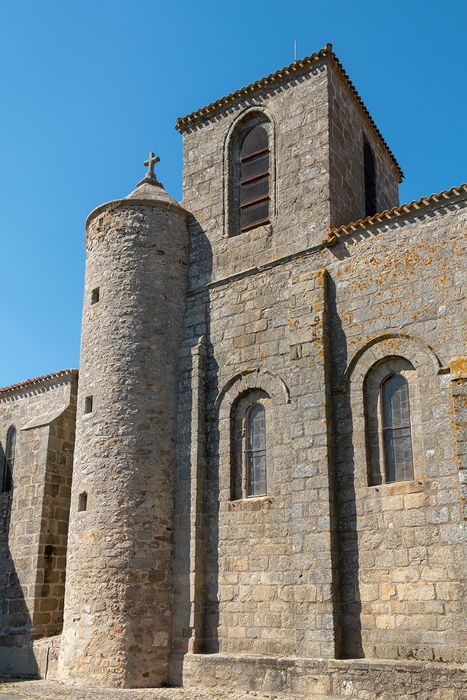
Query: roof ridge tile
{"type": "Point", "coordinates": [334, 234]}
{"type": "Point", "coordinates": [183, 123]}
{"type": "Point", "coordinates": [37, 380]}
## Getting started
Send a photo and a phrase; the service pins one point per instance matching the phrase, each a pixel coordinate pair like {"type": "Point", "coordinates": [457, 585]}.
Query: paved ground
{"type": "Point", "coordinates": [45, 690]}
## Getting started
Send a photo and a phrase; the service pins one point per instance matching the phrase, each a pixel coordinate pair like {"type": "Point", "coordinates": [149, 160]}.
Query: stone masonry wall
{"type": "Point", "coordinates": [347, 125]}
{"type": "Point", "coordinates": [325, 564]}
{"type": "Point", "coordinates": [117, 621]}
{"type": "Point", "coordinates": [55, 515]}
{"type": "Point", "coordinates": [399, 543]}
{"type": "Point", "coordinates": [397, 592]}
{"type": "Point", "coordinates": [269, 564]}
{"type": "Point", "coordinates": [459, 421]}
{"type": "Point", "coordinates": [35, 514]}
{"type": "Point", "coordinates": [316, 173]}
{"type": "Point", "coordinates": [311, 679]}
{"type": "Point", "coordinates": [299, 114]}
{"type": "Point", "coordinates": [398, 290]}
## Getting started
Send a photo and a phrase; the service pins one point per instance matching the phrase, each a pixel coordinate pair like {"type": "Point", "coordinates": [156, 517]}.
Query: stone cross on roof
{"type": "Point", "coordinates": [150, 163]}
{"type": "Point", "coordinates": [150, 176]}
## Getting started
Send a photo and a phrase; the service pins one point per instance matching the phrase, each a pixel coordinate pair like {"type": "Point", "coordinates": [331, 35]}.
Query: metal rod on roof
{"type": "Point", "coordinates": [295, 49]}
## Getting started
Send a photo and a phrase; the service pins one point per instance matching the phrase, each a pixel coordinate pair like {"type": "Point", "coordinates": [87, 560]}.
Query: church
{"type": "Point", "coordinates": [256, 480]}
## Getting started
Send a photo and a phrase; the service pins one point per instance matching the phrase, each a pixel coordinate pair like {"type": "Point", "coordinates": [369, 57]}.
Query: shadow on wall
{"type": "Point", "coordinates": [211, 527]}
{"type": "Point", "coordinates": [17, 657]}
{"type": "Point", "coordinates": [345, 496]}
{"type": "Point", "coordinates": [209, 603]}
{"type": "Point", "coordinates": [196, 526]}
{"type": "Point", "coordinates": [200, 618]}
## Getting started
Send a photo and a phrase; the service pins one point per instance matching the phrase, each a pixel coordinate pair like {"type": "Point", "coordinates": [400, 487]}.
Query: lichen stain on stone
{"type": "Point", "coordinates": [459, 367]}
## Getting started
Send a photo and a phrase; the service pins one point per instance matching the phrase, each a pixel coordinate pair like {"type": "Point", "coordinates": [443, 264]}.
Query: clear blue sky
{"type": "Point", "coordinates": [89, 87]}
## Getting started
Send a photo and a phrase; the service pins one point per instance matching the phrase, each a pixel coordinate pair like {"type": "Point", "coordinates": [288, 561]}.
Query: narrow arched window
{"type": "Point", "coordinates": [369, 167]}
{"type": "Point", "coordinates": [248, 448]}
{"type": "Point", "coordinates": [9, 459]}
{"type": "Point", "coordinates": [254, 178]}
{"type": "Point", "coordinates": [255, 450]}
{"type": "Point", "coordinates": [397, 438]}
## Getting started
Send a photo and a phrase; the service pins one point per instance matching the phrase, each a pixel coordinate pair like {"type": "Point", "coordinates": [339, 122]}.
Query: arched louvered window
{"type": "Point", "coordinates": [397, 439]}
{"type": "Point", "coordinates": [254, 178]}
{"type": "Point", "coordinates": [9, 459]}
{"type": "Point", "coordinates": [369, 166]}
{"type": "Point", "coordinates": [255, 450]}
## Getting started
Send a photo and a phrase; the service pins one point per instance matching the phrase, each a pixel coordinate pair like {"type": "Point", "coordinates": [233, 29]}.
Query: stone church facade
{"type": "Point", "coordinates": [265, 489]}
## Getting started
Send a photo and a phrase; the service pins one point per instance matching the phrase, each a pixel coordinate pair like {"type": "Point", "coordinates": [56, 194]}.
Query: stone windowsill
{"type": "Point", "coordinates": [253, 503]}
{"type": "Point", "coordinates": [259, 231]}
{"type": "Point", "coordinates": [396, 488]}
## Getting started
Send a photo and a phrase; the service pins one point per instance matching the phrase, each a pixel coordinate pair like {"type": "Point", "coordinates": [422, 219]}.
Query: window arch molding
{"type": "Point", "coordinates": [239, 128]}
{"type": "Point", "coordinates": [368, 368]}
{"type": "Point", "coordinates": [387, 344]}
{"type": "Point", "coordinates": [250, 387]}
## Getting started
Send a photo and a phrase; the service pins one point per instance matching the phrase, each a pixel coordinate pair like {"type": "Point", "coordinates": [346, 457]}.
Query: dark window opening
{"type": "Point", "coordinates": [369, 166]}
{"type": "Point", "coordinates": [254, 179]}
{"type": "Point", "coordinates": [9, 460]}
{"type": "Point", "coordinates": [82, 501]}
{"type": "Point", "coordinates": [88, 404]}
{"type": "Point", "coordinates": [397, 439]}
{"type": "Point", "coordinates": [95, 295]}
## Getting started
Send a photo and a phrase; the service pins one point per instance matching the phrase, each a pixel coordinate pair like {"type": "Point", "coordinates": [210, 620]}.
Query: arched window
{"type": "Point", "coordinates": [250, 173]}
{"type": "Point", "coordinates": [248, 449]}
{"type": "Point", "coordinates": [392, 421]}
{"type": "Point", "coordinates": [255, 450]}
{"type": "Point", "coordinates": [9, 459]}
{"type": "Point", "coordinates": [254, 178]}
{"type": "Point", "coordinates": [369, 167]}
{"type": "Point", "coordinates": [397, 439]}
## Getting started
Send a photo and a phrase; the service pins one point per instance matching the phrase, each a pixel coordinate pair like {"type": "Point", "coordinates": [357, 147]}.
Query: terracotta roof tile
{"type": "Point", "coordinates": [296, 68]}
{"type": "Point", "coordinates": [38, 380]}
{"type": "Point", "coordinates": [346, 229]}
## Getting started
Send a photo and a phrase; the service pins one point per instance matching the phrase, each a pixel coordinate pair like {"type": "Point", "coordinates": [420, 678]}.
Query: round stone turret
{"type": "Point", "coordinates": [117, 620]}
